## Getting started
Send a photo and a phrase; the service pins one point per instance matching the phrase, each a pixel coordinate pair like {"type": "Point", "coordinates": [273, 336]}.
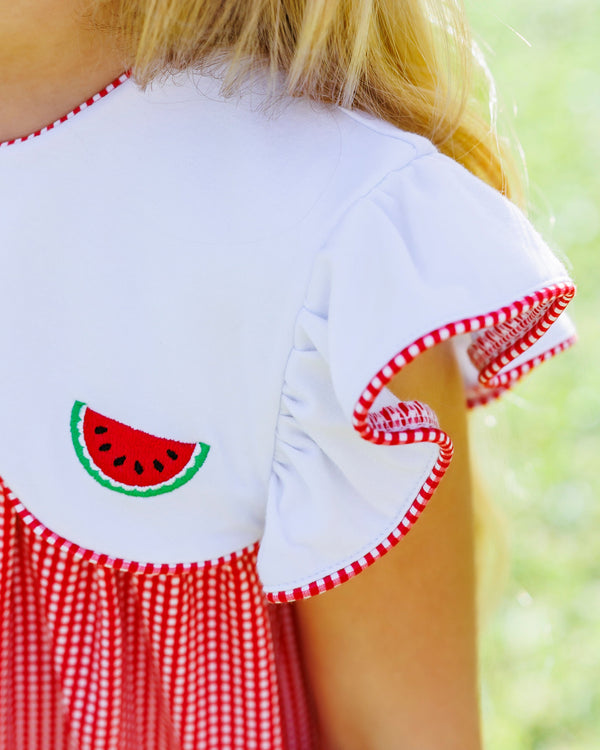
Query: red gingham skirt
{"type": "Point", "coordinates": [94, 658]}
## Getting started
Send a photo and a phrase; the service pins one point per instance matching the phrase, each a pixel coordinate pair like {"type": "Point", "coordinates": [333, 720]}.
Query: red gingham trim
{"type": "Point", "coordinates": [481, 397]}
{"type": "Point", "coordinates": [402, 414]}
{"type": "Point", "coordinates": [81, 553]}
{"type": "Point", "coordinates": [511, 331]}
{"type": "Point", "coordinates": [84, 105]}
{"type": "Point", "coordinates": [405, 415]}
{"type": "Point", "coordinates": [551, 302]}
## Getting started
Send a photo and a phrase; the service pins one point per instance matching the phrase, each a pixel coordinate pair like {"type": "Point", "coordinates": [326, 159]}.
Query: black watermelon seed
{"type": "Point", "coordinates": [172, 454]}
{"type": "Point", "coordinates": [138, 468]}
{"type": "Point", "coordinates": [105, 447]}
{"type": "Point", "coordinates": [158, 466]}
{"type": "Point", "coordinates": [119, 461]}
{"type": "Point", "coordinates": [100, 430]}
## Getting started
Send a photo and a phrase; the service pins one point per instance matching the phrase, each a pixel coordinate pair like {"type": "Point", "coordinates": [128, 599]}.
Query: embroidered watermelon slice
{"type": "Point", "coordinates": [128, 460]}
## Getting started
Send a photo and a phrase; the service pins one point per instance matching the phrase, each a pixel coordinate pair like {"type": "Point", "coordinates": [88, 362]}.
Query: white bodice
{"type": "Point", "coordinates": [177, 261]}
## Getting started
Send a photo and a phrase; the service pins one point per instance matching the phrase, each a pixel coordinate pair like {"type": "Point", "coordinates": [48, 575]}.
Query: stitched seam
{"type": "Point", "coordinates": [372, 551]}
{"type": "Point", "coordinates": [557, 296]}
{"type": "Point", "coordinates": [404, 136]}
{"type": "Point", "coordinates": [365, 548]}
{"type": "Point", "coordinates": [118, 563]}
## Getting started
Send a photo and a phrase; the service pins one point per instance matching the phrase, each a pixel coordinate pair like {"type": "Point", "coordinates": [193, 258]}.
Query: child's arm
{"type": "Point", "coordinates": [391, 654]}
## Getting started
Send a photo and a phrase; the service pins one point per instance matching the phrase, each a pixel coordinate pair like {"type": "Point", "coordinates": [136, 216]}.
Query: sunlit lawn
{"type": "Point", "coordinates": [541, 447]}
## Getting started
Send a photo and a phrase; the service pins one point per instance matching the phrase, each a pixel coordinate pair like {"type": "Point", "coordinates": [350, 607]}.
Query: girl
{"type": "Point", "coordinates": [247, 288]}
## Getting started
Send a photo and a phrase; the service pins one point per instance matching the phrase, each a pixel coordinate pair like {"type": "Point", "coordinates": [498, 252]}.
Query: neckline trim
{"type": "Point", "coordinates": [79, 108]}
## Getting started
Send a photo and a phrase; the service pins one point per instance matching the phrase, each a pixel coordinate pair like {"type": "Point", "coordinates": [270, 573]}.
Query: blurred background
{"type": "Point", "coordinates": [540, 447]}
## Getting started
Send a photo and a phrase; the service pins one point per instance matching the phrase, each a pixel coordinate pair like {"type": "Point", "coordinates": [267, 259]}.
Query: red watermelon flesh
{"type": "Point", "coordinates": [132, 457]}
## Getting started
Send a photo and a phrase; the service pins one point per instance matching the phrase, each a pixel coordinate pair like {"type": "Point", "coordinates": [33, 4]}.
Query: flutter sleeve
{"type": "Point", "coordinates": [429, 254]}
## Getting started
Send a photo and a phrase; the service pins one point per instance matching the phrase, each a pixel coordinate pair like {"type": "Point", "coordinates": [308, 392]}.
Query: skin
{"type": "Point", "coordinates": [49, 63]}
{"type": "Point", "coordinates": [391, 655]}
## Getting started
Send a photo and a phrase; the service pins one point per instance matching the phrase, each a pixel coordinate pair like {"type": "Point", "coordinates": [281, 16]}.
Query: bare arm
{"type": "Point", "coordinates": [391, 654]}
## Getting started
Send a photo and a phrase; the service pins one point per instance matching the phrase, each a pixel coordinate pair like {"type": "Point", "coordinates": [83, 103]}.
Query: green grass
{"type": "Point", "coordinates": [541, 446]}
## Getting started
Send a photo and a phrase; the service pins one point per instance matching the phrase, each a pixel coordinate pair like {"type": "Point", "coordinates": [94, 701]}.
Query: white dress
{"type": "Point", "coordinates": [203, 300]}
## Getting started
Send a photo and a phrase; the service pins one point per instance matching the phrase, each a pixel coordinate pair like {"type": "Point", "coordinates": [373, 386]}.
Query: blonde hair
{"type": "Point", "coordinates": [410, 62]}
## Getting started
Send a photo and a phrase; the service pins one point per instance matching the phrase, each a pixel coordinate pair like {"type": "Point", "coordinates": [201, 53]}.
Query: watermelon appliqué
{"type": "Point", "coordinates": [128, 460]}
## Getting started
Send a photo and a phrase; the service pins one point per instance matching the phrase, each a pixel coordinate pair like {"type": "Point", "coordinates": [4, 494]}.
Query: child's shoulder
{"type": "Point", "coordinates": [298, 133]}
{"type": "Point", "coordinates": [292, 157]}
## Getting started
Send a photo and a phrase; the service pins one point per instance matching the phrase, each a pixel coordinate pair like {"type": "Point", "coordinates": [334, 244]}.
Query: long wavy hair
{"type": "Point", "coordinates": [410, 62]}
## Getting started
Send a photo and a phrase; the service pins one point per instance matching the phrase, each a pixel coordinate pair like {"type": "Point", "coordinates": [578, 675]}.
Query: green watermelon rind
{"type": "Point", "coordinates": [197, 459]}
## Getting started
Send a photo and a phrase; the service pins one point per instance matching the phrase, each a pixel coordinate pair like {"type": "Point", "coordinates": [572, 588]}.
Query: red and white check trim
{"type": "Point", "coordinates": [116, 563]}
{"type": "Point", "coordinates": [406, 423]}
{"type": "Point", "coordinates": [84, 105]}
{"type": "Point", "coordinates": [480, 397]}
{"type": "Point", "coordinates": [514, 331]}
{"type": "Point", "coordinates": [404, 415]}
{"type": "Point", "coordinates": [506, 334]}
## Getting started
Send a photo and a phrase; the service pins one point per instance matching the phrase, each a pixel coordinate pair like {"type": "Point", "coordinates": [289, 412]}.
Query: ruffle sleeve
{"type": "Point", "coordinates": [429, 254]}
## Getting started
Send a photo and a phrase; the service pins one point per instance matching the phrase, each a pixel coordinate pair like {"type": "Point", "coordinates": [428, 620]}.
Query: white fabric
{"type": "Point", "coordinates": [429, 245]}
{"type": "Point", "coordinates": [204, 270]}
